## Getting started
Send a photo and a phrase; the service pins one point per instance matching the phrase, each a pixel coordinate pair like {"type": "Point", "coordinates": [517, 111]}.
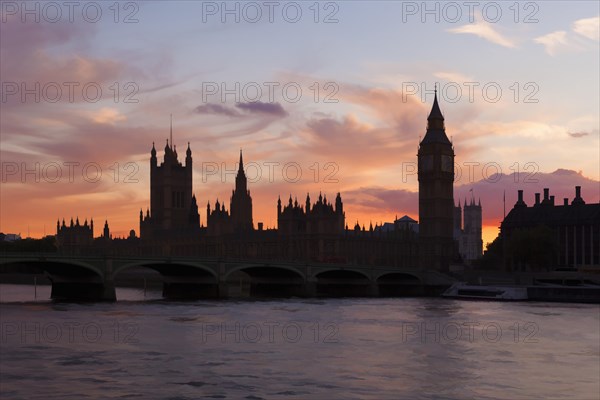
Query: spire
{"type": "Point", "coordinates": [188, 152]}
{"type": "Point", "coordinates": [241, 168]}
{"type": "Point", "coordinates": [435, 125]}
{"type": "Point", "coordinates": [171, 130]}
{"type": "Point", "coordinates": [153, 151]}
{"type": "Point", "coordinates": [435, 119]}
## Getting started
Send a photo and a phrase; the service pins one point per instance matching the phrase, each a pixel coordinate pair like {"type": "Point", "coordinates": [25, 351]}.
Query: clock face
{"type": "Point", "coordinates": [426, 163]}
{"type": "Point", "coordinates": [447, 163]}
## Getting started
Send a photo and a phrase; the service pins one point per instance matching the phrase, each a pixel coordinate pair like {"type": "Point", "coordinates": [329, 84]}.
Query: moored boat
{"type": "Point", "coordinates": [480, 292]}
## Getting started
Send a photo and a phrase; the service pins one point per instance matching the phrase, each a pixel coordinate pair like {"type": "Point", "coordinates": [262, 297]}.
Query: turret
{"type": "Point", "coordinates": [339, 206]}
{"type": "Point", "coordinates": [188, 157]}
{"type": "Point", "coordinates": [106, 234]}
{"type": "Point", "coordinates": [168, 152]}
{"type": "Point", "coordinates": [279, 205]}
{"type": "Point", "coordinates": [153, 160]}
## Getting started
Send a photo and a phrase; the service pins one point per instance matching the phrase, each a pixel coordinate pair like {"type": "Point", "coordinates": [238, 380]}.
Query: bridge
{"type": "Point", "coordinates": [93, 277]}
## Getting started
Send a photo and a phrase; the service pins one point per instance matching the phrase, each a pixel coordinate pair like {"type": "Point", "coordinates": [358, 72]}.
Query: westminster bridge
{"type": "Point", "coordinates": [93, 277]}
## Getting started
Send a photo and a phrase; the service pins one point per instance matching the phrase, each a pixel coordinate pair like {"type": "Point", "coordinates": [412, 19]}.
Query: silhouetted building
{"type": "Point", "coordinates": [241, 202]}
{"type": "Point", "coordinates": [320, 218]}
{"type": "Point", "coordinates": [9, 237]}
{"type": "Point", "coordinates": [173, 209]}
{"type": "Point", "coordinates": [305, 232]}
{"type": "Point", "coordinates": [239, 219]}
{"type": "Point", "coordinates": [468, 229]}
{"type": "Point", "coordinates": [218, 221]}
{"type": "Point", "coordinates": [106, 232]}
{"type": "Point", "coordinates": [436, 198]}
{"type": "Point", "coordinates": [311, 232]}
{"type": "Point", "coordinates": [75, 237]}
{"type": "Point", "coordinates": [548, 235]}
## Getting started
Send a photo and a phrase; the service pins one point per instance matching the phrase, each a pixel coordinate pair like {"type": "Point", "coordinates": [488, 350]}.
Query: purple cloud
{"type": "Point", "coordinates": [216, 109]}
{"type": "Point", "coordinates": [577, 135]}
{"type": "Point", "coordinates": [263, 108]}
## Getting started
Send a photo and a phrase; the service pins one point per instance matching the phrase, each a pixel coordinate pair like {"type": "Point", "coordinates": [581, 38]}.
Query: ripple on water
{"type": "Point", "coordinates": [370, 360]}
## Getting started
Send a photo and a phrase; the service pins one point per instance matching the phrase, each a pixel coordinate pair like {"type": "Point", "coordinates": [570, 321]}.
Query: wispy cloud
{"type": "Point", "coordinates": [560, 41]}
{"type": "Point", "coordinates": [577, 134]}
{"type": "Point", "coordinates": [588, 27]}
{"type": "Point", "coordinates": [263, 108]}
{"type": "Point", "coordinates": [485, 31]}
{"type": "Point", "coordinates": [253, 107]}
{"type": "Point", "coordinates": [107, 115]}
{"type": "Point", "coordinates": [553, 42]}
{"type": "Point", "coordinates": [216, 109]}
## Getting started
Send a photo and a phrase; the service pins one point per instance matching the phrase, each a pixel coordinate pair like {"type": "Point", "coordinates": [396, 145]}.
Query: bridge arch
{"type": "Point", "coordinates": [281, 271]}
{"type": "Point", "coordinates": [398, 278]}
{"type": "Point", "coordinates": [341, 273]}
{"type": "Point", "coordinates": [54, 267]}
{"type": "Point", "coordinates": [175, 268]}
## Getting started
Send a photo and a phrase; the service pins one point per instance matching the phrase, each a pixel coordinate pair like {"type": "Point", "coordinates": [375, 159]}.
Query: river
{"type": "Point", "coordinates": [377, 348]}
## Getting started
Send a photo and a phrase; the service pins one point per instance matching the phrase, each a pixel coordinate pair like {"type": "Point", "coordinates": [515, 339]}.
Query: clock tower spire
{"type": "Point", "coordinates": [436, 200]}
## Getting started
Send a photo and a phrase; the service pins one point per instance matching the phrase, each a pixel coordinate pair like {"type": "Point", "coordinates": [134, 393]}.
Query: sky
{"type": "Point", "coordinates": [321, 96]}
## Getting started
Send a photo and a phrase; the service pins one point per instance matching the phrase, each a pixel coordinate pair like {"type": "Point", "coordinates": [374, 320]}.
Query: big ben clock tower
{"type": "Point", "coordinates": [436, 199]}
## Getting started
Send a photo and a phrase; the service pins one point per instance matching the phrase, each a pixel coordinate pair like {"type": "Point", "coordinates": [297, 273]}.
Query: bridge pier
{"type": "Point", "coordinates": [223, 290]}
{"type": "Point", "coordinates": [310, 288]}
{"type": "Point", "coordinates": [373, 289]}
{"type": "Point", "coordinates": [189, 290]}
{"type": "Point", "coordinates": [73, 290]}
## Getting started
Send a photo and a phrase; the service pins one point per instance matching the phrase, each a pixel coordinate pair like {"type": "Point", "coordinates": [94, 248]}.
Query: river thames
{"type": "Point", "coordinates": [383, 348]}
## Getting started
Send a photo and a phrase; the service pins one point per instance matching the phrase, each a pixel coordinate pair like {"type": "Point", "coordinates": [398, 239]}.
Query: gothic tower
{"type": "Point", "coordinates": [472, 244]}
{"type": "Point", "coordinates": [173, 207]}
{"type": "Point", "coordinates": [436, 200]}
{"type": "Point", "coordinates": [241, 202]}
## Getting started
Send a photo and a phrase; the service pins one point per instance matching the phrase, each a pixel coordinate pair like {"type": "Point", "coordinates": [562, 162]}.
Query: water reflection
{"type": "Point", "coordinates": [296, 349]}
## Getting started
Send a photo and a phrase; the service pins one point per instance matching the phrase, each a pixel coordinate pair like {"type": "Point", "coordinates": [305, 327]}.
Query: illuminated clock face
{"type": "Point", "coordinates": [426, 163]}
{"type": "Point", "coordinates": [447, 163]}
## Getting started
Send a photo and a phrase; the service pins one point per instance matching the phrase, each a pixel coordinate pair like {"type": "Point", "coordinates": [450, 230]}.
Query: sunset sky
{"type": "Point", "coordinates": [366, 71]}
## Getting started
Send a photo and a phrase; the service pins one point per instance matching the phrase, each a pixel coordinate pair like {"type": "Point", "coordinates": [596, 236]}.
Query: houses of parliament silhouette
{"type": "Point", "coordinates": [310, 232]}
